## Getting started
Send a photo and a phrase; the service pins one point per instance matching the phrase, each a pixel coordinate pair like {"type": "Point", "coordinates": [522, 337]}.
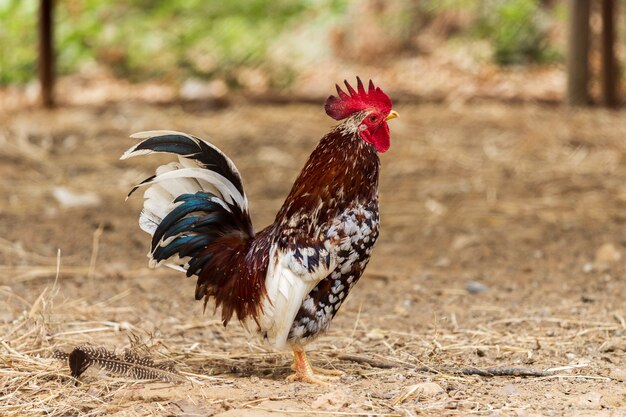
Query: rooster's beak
{"type": "Point", "coordinates": [392, 115]}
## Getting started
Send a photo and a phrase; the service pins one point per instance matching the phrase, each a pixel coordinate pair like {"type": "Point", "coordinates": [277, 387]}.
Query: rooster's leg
{"type": "Point", "coordinates": [304, 372]}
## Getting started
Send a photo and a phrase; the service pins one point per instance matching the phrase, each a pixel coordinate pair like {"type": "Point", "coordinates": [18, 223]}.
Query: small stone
{"type": "Point", "coordinates": [401, 310]}
{"type": "Point", "coordinates": [435, 207]}
{"type": "Point", "coordinates": [608, 253]}
{"type": "Point", "coordinates": [475, 287]}
{"type": "Point", "coordinates": [423, 390]}
{"type": "Point", "coordinates": [443, 262]}
{"type": "Point", "coordinates": [69, 198]}
{"type": "Point", "coordinates": [463, 241]}
{"type": "Point", "coordinates": [375, 334]}
{"type": "Point", "coordinates": [606, 256]}
{"type": "Point", "coordinates": [429, 389]}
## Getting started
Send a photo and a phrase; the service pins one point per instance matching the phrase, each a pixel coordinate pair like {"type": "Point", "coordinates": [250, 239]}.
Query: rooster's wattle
{"type": "Point", "coordinates": [287, 281]}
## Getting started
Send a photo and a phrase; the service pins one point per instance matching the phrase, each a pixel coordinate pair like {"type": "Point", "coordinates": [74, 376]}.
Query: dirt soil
{"type": "Point", "coordinates": [502, 245]}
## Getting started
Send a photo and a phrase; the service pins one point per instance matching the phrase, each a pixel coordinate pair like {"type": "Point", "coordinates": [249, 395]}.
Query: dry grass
{"type": "Point", "coordinates": [521, 199]}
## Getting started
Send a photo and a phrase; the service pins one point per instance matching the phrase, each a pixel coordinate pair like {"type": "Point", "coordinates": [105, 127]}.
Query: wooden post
{"type": "Point", "coordinates": [610, 80]}
{"type": "Point", "coordinates": [578, 53]}
{"type": "Point", "coordinates": [46, 52]}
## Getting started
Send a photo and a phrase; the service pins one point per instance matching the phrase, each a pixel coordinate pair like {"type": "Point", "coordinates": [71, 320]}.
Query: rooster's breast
{"type": "Point", "coordinates": [353, 234]}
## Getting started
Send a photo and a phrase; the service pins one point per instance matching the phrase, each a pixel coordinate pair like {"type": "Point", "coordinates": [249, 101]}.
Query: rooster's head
{"type": "Point", "coordinates": [368, 110]}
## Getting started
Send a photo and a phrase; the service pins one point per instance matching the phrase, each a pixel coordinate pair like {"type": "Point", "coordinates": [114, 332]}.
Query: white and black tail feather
{"type": "Point", "coordinates": [191, 202]}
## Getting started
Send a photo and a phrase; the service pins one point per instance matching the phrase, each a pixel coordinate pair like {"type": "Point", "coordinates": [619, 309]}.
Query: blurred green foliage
{"type": "Point", "coordinates": [18, 37]}
{"type": "Point", "coordinates": [140, 39]}
{"type": "Point", "coordinates": [518, 31]}
{"type": "Point", "coordinates": [175, 39]}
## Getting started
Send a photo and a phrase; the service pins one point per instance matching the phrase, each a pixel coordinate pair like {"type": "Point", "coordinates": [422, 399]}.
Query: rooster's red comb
{"type": "Point", "coordinates": [345, 105]}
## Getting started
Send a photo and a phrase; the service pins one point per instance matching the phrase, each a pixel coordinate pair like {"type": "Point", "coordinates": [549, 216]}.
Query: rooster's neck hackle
{"type": "Point", "coordinates": [350, 126]}
{"type": "Point", "coordinates": [343, 169]}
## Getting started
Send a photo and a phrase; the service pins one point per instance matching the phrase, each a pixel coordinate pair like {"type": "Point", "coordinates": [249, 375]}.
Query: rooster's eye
{"type": "Point", "coordinates": [373, 118]}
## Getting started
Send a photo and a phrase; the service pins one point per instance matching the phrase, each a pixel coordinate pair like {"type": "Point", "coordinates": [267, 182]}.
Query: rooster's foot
{"type": "Point", "coordinates": [321, 371]}
{"type": "Point", "coordinates": [304, 372]}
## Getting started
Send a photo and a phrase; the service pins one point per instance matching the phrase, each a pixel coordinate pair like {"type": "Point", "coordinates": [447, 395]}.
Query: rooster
{"type": "Point", "coordinates": [287, 281]}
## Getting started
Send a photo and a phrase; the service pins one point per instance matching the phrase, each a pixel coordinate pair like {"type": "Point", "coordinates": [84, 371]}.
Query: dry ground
{"type": "Point", "coordinates": [502, 242]}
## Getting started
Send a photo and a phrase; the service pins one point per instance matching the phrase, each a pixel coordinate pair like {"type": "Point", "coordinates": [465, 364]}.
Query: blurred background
{"type": "Point", "coordinates": [503, 195]}
{"type": "Point", "coordinates": [427, 49]}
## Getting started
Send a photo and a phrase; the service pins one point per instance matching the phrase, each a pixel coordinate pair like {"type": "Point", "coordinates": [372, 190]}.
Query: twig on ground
{"type": "Point", "coordinates": [485, 372]}
{"type": "Point", "coordinates": [332, 413]}
{"type": "Point", "coordinates": [374, 362]}
{"type": "Point", "coordinates": [260, 400]}
{"type": "Point", "coordinates": [498, 371]}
